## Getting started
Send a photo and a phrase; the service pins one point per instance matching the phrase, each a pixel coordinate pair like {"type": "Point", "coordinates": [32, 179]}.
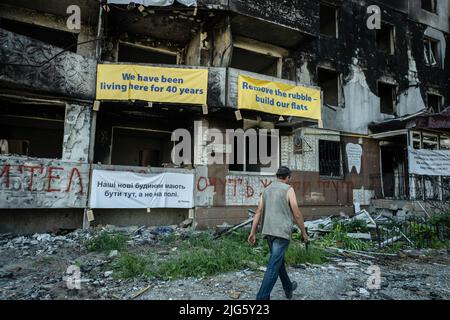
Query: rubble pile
{"type": "Point", "coordinates": [36, 266]}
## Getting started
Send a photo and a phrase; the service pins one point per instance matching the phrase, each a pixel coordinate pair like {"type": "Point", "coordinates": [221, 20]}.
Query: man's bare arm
{"type": "Point", "coordinates": [298, 217]}
{"type": "Point", "coordinates": [257, 217]}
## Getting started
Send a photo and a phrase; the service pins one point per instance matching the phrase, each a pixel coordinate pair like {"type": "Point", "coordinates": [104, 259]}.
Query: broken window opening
{"type": "Point", "coordinates": [58, 38]}
{"type": "Point", "coordinates": [255, 62]}
{"type": "Point", "coordinates": [429, 5]}
{"type": "Point", "coordinates": [431, 52]}
{"type": "Point", "coordinates": [435, 102]}
{"type": "Point", "coordinates": [330, 82]}
{"type": "Point", "coordinates": [385, 38]}
{"type": "Point", "coordinates": [252, 145]}
{"type": "Point", "coordinates": [330, 159]}
{"type": "Point", "coordinates": [328, 21]}
{"type": "Point", "coordinates": [140, 147]}
{"type": "Point", "coordinates": [30, 130]}
{"type": "Point", "coordinates": [140, 54]}
{"type": "Point", "coordinates": [387, 94]}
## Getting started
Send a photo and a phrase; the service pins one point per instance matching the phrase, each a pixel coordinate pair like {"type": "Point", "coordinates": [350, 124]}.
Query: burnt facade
{"type": "Point", "coordinates": [383, 90]}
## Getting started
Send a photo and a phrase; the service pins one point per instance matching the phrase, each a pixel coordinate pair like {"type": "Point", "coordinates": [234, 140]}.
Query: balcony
{"type": "Point", "coordinates": [29, 64]}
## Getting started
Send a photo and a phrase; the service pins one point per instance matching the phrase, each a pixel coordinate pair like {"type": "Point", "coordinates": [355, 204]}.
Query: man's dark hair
{"type": "Point", "coordinates": [283, 173]}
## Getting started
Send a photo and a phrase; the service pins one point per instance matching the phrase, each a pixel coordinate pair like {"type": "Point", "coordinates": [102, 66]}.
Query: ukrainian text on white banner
{"type": "Point", "coordinates": [129, 190]}
{"type": "Point", "coordinates": [429, 162]}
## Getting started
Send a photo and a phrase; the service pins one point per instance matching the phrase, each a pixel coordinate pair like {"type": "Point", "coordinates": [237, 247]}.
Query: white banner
{"type": "Point", "coordinates": [429, 162]}
{"type": "Point", "coordinates": [129, 190]}
{"type": "Point", "coordinates": [156, 2]}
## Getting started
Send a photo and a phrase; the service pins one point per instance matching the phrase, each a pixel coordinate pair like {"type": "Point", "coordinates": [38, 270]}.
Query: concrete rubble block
{"type": "Point", "coordinates": [113, 254]}
{"type": "Point", "coordinates": [44, 237]}
{"type": "Point", "coordinates": [186, 223]}
{"type": "Point", "coordinates": [348, 264]}
{"type": "Point", "coordinates": [364, 292]}
{"type": "Point", "coordinates": [108, 274]}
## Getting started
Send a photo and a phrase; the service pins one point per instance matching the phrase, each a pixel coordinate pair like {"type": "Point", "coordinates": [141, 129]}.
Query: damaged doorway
{"type": "Point", "coordinates": [394, 170]}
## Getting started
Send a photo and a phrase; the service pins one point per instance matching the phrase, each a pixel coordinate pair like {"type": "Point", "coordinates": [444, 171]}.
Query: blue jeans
{"type": "Point", "coordinates": [275, 268]}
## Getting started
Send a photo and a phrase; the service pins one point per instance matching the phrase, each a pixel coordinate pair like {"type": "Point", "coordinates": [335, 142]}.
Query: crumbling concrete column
{"type": "Point", "coordinates": [77, 128]}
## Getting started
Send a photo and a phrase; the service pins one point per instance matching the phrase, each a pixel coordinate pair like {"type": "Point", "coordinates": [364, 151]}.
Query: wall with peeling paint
{"type": "Point", "coordinates": [77, 128]}
{"type": "Point", "coordinates": [42, 183]}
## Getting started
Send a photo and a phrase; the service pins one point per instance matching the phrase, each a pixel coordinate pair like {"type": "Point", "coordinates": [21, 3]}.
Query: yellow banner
{"type": "Point", "coordinates": [154, 84]}
{"type": "Point", "coordinates": [279, 98]}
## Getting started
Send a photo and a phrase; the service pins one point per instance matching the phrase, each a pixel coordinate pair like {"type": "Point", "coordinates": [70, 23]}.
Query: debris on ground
{"type": "Point", "coordinates": [43, 266]}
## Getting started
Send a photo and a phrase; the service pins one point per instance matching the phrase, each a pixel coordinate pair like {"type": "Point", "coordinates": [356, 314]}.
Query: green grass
{"type": "Point", "coordinates": [107, 241]}
{"type": "Point", "coordinates": [338, 238]}
{"type": "Point", "coordinates": [298, 255]}
{"type": "Point", "coordinates": [132, 266]}
{"type": "Point", "coordinates": [200, 255]}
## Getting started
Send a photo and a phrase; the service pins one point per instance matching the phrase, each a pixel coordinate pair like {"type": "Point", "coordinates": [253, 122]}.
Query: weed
{"type": "Point", "coordinates": [107, 241]}
{"type": "Point", "coordinates": [132, 266]}
{"type": "Point", "coordinates": [298, 255]}
{"type": "Point", "coordinates": [339, 238]}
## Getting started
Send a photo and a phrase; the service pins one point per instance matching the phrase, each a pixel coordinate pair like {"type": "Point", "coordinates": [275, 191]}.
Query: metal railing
{"type": "Point", "coordinates": [415, 232]}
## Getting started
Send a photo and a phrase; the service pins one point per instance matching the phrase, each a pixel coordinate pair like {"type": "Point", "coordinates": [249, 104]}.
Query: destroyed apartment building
{"type": "Point", "coordinates": [86, 104]}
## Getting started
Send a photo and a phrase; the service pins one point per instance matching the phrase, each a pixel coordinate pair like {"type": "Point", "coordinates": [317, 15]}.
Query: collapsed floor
{"type": "Point", "coordinates": [34, 267]}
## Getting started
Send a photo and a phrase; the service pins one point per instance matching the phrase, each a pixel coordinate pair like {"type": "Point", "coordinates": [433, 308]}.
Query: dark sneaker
{"type": "Point", "coordinates": [289, 294]}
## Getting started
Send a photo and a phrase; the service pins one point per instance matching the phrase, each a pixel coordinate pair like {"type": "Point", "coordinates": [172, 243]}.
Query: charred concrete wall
{"type": "Point", "coordinates": [37, 66]}
{"type": "Point", "coordinates": [355, 56]}
{"type": "Point", "coordinates": [437, 20]}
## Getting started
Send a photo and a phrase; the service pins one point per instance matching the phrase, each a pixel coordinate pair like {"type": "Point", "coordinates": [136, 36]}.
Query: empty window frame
{"type": "Point", "coordinates": [252, 141]}
{"type": "Point", "coordinates": [58, 38]}
{"type": "Point", "coordinates": [330, 83]}
{"type": "Point", "coordinates": [330, 159]}
{"type": "Point", "coordinates": [429, 5]}
{"type": "Point", "coordinates": [385, 38]}
{"type": "Point", "coordinates": [435, 102]}
{"type": "Point", "coordinates": [431, 52]}
{"type": "Point", "coordinates": [32, 130]}
{"type": "Point", "coordinates": [140, 54]}
{"type": "Point", "coordinates": [387, 94]}
{"type": "Point", "coordinates": [141, 147]}
{"type": "Point", "coordinates": [254, 56]}
{"type": "Point", "coordinates": [328, 21]}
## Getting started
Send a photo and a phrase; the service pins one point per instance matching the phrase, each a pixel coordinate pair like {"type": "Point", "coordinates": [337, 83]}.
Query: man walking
{"type": "Point", "coordinates": [278, 204]}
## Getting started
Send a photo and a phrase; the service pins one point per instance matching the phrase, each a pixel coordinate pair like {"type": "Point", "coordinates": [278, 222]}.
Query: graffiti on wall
{"type": "Point", "coordinates": [42, 183]}
{"type": "Point", "coordinates": [245, 190]}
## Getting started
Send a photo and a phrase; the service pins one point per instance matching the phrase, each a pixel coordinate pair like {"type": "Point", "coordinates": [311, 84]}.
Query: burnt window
{"type": "Point", "coordinates": [429, 5]}
{"type": "Point", "coordinates": [140, 54]}
{"type": "Point", "coordinates": [386, 92]}
{"type": "Point", "coordinates": [251, 160]}
{"type": "Point", "coordinates": [328, 21]}
{"type": "Point", "coordinates": [141, 147]}
{"type": "Point", "coordinates": [32, 130]}
{"type": "Point", "coordinates": [431, 52]}
{"type": "Point", "coordinates": [434, 102]}
{"type": "Point", "coordinates": [58, 38]}
{"type": "Point", "coordinates": [329, 82]}
{"type": "Point", "coordinates": [385, 38]}
{"type": "Point", "coordinates": [254, 62]}
{"type": "Point", "coordinates": [330, 164]}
